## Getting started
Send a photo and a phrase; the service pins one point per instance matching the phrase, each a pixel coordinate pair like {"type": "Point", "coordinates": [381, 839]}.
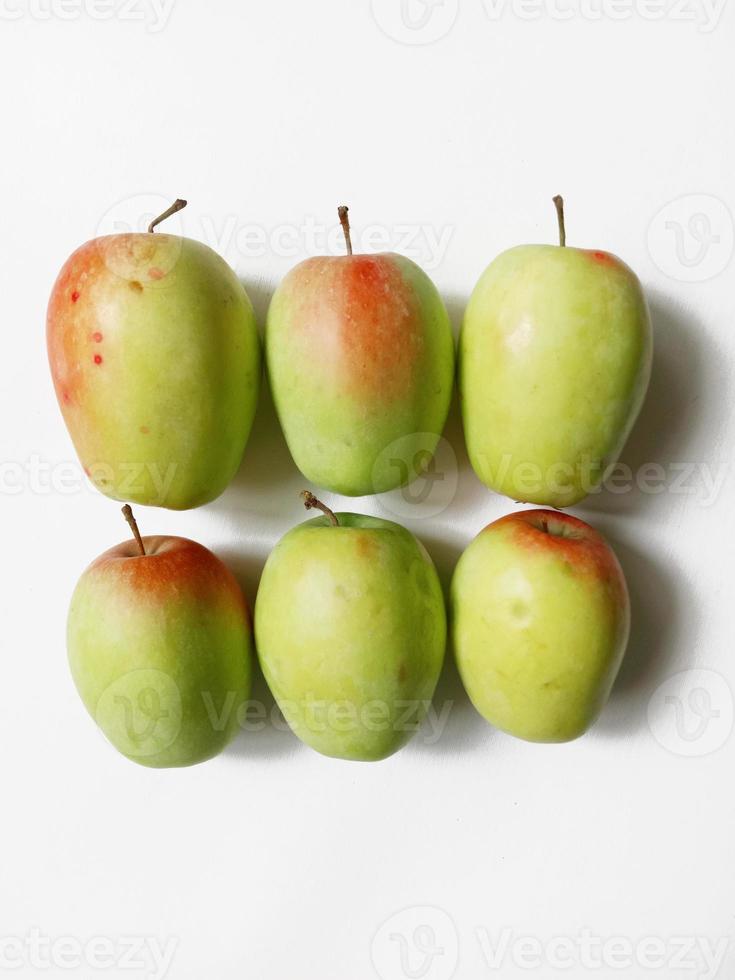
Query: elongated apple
{"type": "Point", "coordinates": [160, 648]}
{"type": "Point", "coordinates": [554, 363]}
{"type": "Point", "coordinates": [540, 620]}
{"type": "Point", "coordinates": [350, 629]}
{"type": "Point", "coordinates": [360, 357]}
{"type": "Point", "coordinates": [155, 359]}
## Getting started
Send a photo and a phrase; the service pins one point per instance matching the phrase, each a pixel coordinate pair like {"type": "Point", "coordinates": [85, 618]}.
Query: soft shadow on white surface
{"type": "Point", "coordinates": [261, 738]}
{"type": "Point", "coordinates": [659, 617]}
{"type": "Point", "coordinates": [679, 413]}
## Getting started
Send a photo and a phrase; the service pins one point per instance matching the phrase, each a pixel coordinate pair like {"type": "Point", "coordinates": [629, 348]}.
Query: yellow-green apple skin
{"type": "Point", "coordinates": [160, 648]}
{"type": "Point", "coordinates": [540, 622]}
{"type": "Point", "coordinates": [360, 358]}
{"type": "Point", "coordinates": [350, 629]}
{"type": "Point", "coordinates": [155, 359]}
{"type": "Point", "coordinates": [554, 363]}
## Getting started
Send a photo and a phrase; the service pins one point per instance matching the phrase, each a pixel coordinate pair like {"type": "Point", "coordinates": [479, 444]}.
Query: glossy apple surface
{"type": "Point", "coordinates": [160, 649]}
{"type": "Point", "coordinates": [554, 363]}
{"type": "Point", "coordinates": [155, 359]}
{"type": "Point", "coordinates": [350, 629]}
{"type": "Point", "coordinates": [540, 620]}
{"type": "Point", "coordinates": [360, 357]}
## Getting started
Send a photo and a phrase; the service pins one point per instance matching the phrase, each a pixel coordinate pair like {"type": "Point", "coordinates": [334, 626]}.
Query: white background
{"type": "Point", "coordinates": [270, 861]}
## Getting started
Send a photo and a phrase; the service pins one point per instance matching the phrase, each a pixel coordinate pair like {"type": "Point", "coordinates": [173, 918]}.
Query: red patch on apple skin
{"type": "Point", "coordinates": [99, 268]}
{"type": "Point", "coordinates": [145, 430]}
{"type": "Point", "coordinates": [97, 337]}
{"type": "Point", "coordinates": [574, 541]}
{"type": "Point", "coordinates": [359, 324]}
{"type": "Point", "coordinates": [172, 569]}
{"type": "Point", "coordinates": [156, 273]}
{"type": "Point", "coordinates": [604, 258]}
{"type": "Point", "coordinates": [97, 358]}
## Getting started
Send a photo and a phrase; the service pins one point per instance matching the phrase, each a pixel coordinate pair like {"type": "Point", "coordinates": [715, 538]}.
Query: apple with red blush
{"type": "Point", "coordinates": [554, 364]}
{"type": "Point", "coordinates": [155, 359]}
{"type": "Point", "coordinates": [360, 358]}
{"type": "Point", "coordinates": [160, 646]}
{"type": "Point", "coordinates": [540, 621]}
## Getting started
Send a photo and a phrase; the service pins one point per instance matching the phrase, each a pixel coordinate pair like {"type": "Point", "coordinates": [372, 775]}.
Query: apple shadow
{"type": "Point", "coordinates": [264, 733]}
{"type": "Point", "coordinates": [679, 414]}
{"type": "Point", "coordinates": [455, 725]}
{"type": "Point", "coordinates": [659, 624]}
{"type": "Point", "coordinates": [471, 493]}
{"type": "Point", "coordinates": [267, 483]}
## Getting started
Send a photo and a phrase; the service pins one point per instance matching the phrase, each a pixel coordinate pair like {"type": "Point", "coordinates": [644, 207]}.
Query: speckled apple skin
{"type": "Point", "coordinates": [160, 649]}
{"type": "Point", "coordinates": [360, 358]}
{"type": "Point", "coordinates": [540, 623]}
{"type": "Point", "coordinates": [155, 359]}
{"type": "Point", "coordinates": [554, 363]}
{"type": "Point", "coordinates": [351, 620]}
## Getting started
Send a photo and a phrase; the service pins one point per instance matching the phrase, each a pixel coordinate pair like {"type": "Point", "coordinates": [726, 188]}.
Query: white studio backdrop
{"type": "Point", "coordinates": [447, 128]}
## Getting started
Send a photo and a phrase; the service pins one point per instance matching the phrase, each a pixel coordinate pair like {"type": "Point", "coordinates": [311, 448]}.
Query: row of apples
{"type": "Point", "coordinates": [155, 357]}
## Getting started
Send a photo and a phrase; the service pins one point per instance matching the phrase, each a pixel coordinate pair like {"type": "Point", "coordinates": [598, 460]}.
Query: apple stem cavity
{"type": "Point", "coordinates": [343, 211]}
{"type": "Point", "coordinates": [559, 202]}
{"type": "Point", "coordinates": [311, 502]}
{"type": "Point", "coordinates": [127, 512]}
{"type": "Point", "coordinates": [176, 206]}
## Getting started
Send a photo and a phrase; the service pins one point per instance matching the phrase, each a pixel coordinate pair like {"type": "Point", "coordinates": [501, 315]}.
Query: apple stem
{"type": "Point", "coordinates": [310, 502]}
{"type": "Point", "coordinates": [176, 206]}
{"type": "Point", "coordinates": [342, 211]}
{"type": "Point", "coordinates": [559, 202]}
{"type": "Point", "coordinates": [128, 515]}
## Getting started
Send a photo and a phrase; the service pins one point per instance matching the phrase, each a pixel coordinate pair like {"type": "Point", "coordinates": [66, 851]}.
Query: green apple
{"type": "Point", "coordinates": [160, 648]}
{"type": "Point", "coordinates": [350, 630]}
{"type": "Point", "coordinates": [155, 359]}
{"type": "Point", "coordinates": [554, 363]}
{"type": "Point", "coordinates": [360, 357]}
{"type": "Point", "coordinates": [540, 621]}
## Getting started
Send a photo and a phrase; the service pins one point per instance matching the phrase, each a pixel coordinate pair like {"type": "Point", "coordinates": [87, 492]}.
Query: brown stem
{"type": "Point", "coordinates": [342, 211]}
{"type": "Point", "coordinates": [310, 502]}
{"type": "Point", "coordinates": [559, 202]}
{"type": "Point", "coordinates": [176, 206]}
{"type": "Point", "coordinates": [128, 515]}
